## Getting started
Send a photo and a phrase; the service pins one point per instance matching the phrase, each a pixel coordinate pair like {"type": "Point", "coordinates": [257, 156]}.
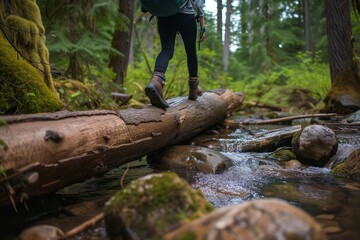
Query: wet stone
{"type": "Point", "coordinates": [41, 232]}
{"type": "Point", "coordinates": [315, 145]}
{"type": "Point", "coordinates": [253, 220]}
{"type": "Point", "coordinates": [324, 198]}
{"type": "Point", "coordinates": [191, 158]}
{"type": "Point", "coordinates": [151, 206]}
{"type": "Point", "coordinates": [293, 165]}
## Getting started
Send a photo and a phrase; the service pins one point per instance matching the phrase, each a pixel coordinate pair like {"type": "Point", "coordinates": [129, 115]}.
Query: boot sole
{"type": "Point", "coordinates": [154, 96]}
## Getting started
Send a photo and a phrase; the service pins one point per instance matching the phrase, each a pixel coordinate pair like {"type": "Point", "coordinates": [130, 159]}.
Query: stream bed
{"type": "Point", "coordinates": [333, 201]}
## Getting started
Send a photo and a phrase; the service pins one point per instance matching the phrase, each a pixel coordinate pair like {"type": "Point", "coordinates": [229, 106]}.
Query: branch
{"type": "Point", "coordinates": [85, 225]}
{"type": "Point", "coordinates": [284, 119]}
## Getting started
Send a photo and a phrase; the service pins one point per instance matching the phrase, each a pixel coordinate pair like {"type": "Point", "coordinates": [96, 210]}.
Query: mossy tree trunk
{"type": "Point", "coordinates": [344, 69]}
{"type": "Point", "coordinates": [26, 85]}
{"type": "Point", "coordinates": [44, 152]}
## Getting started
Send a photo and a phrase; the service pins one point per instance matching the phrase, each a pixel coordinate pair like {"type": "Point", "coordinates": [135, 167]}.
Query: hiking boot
{"type": "Point", "coordinates": [194, 88]}
{"type": "Point", "coordinates": [154, 90]}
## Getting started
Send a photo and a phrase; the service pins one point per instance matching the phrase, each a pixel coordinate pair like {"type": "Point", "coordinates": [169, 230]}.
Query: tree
{"type": "Point", "coordinates": [122, 39]}
{"type": "Point", "coordinates": [26, 85]}
{"type": "Point", "coordinates": [307, 25]}
{"type": "Point", "coordinates": [79, 34]}
{"type": "Point", "coordinates": [344, 66]}
{"type": "Point", "coordinates": [219, 22]}
{"type": "Point", "coordinates": [226, 48]}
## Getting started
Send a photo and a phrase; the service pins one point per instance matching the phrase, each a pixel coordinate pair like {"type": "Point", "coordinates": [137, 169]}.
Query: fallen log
{"type": "Point", "coordinates": [272, 139]}
{"type": "Point", "coordinates": [41, 153]}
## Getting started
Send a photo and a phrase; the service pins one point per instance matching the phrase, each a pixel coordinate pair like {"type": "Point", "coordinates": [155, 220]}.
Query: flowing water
{"type": "Point", "coordinates": [334, 201]}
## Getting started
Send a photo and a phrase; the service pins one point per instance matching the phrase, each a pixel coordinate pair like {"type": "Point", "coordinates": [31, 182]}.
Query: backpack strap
{"type": "Point", "coordinates": [196, 9]}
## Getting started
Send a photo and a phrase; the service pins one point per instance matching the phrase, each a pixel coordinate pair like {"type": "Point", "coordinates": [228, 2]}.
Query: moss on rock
{"type": "Point", "coordinates": [284, 154]}
{"type": "Point", "coordinates": [350, 168]}
{"type": "Point", "coordinates": [152, 206]}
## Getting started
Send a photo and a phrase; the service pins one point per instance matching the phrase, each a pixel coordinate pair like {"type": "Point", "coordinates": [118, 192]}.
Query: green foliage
{"type": "Point", "coordinates": [2, 171]}
{"type": "Point", "coordinates": [81, 96]}
{"type": "Point", "coordinates": [3, 122]}
{"type": "Point", "coordinates": [275, 86]}
{"type": "Point", "coordinates": [4, 145]}
{"type": "Point", "coordinates": [266, 59]}
{"type": "Point", "coordinates": [80, 34]}
{"type": "Point", "coordinates": [355, 19]}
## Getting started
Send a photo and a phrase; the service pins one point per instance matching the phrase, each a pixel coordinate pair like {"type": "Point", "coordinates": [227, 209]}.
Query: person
{"type": "Point", "coordinates": [185, 23]}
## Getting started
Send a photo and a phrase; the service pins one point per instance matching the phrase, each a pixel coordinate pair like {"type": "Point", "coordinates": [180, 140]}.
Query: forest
{"type": "Point", "coordinates": [275, 52]}
{"type": "Point", "coordinates": [276, 130]}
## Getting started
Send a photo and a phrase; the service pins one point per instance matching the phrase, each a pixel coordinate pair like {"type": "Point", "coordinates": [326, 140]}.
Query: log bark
{"type": "Point", "coordinates": [44, 152]}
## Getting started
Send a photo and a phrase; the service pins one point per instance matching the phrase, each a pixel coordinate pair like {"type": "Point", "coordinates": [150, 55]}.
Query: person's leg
{"type": "Point", "coordinates": [167, 32]}
{"type": "Point", "coordinates": [154, 90]}
{"type": "Point", "coordinates": [187, 28]}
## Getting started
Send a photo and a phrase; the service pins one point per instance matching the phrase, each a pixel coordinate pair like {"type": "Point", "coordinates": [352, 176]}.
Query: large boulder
{"type": "Point", "coordinates": [315, 145]}
{"type": "Point", "coordinates": [191, 158]}
{"type": "Point", "coordinates": [315, 194]}
{"type": "Point", "coordinates": [253, 220]}
{"type": "Point", "coordinates": [151, 206]}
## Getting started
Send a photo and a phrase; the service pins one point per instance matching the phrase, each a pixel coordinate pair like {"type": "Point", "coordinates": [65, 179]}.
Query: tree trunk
{"type": "Point", "coordinates": [307, 26]}
{"type": "Point", "coordinates": [121, 42]}
{"type": "Point", "coordinates": [26, 84]}
{"type": "Point", "coordinates": [41, 153]}
{"type": "Point", "coordinates": [344, 70]}
{"type": "Point", "coordinates": [219, 20]}
{"type": "Point", "coordinates": [226, 48]}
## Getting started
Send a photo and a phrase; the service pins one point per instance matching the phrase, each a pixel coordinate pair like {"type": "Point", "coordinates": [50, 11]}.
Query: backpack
{"type": "Point", "coordinates": [163, 8]}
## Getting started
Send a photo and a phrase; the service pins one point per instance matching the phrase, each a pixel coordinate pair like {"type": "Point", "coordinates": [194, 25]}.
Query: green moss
{"type": "Point", "coordinates": [22, 86]}
{"type": "Point", "coordinates": [27, 33]}
{"type": "Point", "coordinates": [3, 122]}
{"type": "Point", "coordinates": [350, 168]}
{"type": "Point", "coordinates": [295, 137]}
{"type": "Point", "coordinates": [283, 154]}
{"type": "Point", "coordinates": [136, 106]}
{"type": "Point", "coordinates": [3, 144]}
{"type": "Point", "coordinates": [154, 205]}
{"type": "Point", "coordinates": [2, 12]}
{"type": "Point", "coordinates": [28, 37]}
{"type": "Point", "coordinates": [163, 188]}
{"type": "Point", "coordinates": [272, 115]}
{"type": "Point", "coordinates": [30, 10]}
{"type": "Point", "coordinates": [187, 236]}
{"type": "Point", "coordinates": [2, 171]}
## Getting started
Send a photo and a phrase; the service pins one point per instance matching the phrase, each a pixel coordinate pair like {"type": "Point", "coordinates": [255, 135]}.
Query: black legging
{"type": "Point", "coordinates": [168, 27]}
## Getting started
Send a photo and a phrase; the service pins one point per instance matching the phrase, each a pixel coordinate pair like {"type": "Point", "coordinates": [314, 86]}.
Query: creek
{"type": "Point", "coordinates": [333, 201]}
